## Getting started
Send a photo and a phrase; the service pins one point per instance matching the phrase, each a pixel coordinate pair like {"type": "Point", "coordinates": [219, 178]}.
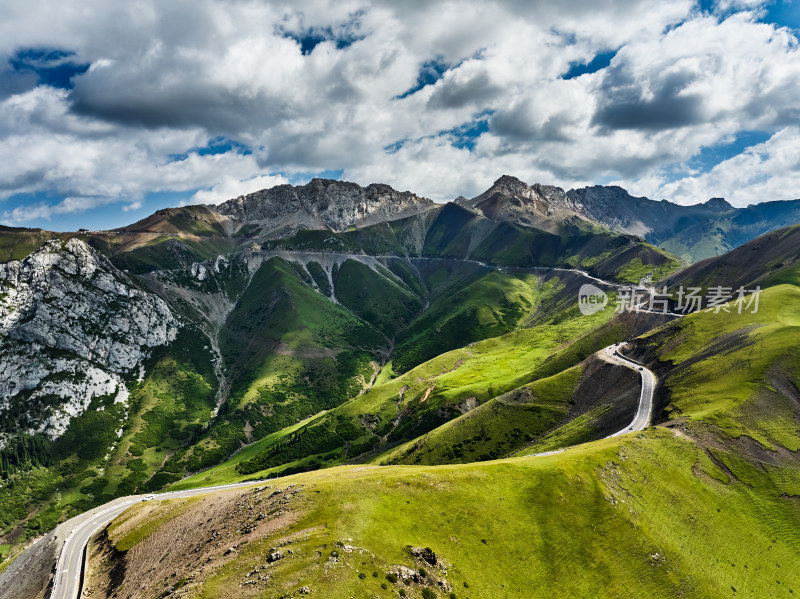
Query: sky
{"type": "Point", "coordinates": [112, 110]}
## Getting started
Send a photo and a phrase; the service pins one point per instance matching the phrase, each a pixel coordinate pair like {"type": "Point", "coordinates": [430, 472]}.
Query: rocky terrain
{"type": "Point", "coordinates": [692, 233]}
{"type": "Point", "coordinates": [322, 203]}
{"type": "Point", "coordinates": [541, 206]}
{"type": "Point", "coordinates": [72, 326]}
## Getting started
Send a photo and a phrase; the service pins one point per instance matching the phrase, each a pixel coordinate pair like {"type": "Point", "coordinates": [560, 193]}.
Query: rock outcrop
{"type": "Point", "coordinates": [71, 326]}
{"type": "Point", "coordinates": [324, 203]}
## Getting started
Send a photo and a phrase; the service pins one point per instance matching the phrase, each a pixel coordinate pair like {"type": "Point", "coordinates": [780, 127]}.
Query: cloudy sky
{"type": "Point", "coordinates": [110, 110]}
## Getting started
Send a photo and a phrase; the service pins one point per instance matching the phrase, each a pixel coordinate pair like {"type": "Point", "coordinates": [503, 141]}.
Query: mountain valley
{"type": "Point", "coordinates": [414, 391]}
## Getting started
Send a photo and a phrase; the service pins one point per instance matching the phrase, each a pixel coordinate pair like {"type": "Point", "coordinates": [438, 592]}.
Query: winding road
{"type": "Point", "coordinates": [69, 574]}
{"type": "Point", "coordinates": [643, 412]}
{"type": "Point", "coordinates": [642, 418]}
{"type": "Point", "coordinates": [68, 580]}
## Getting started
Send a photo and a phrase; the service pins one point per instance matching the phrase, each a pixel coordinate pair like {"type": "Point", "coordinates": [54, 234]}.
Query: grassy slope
{"type": "Point", "coordinates": [279, 310]}
{"type": "Point", "coordinates": [648, 515]}
{"type": "Point", "coordinates": [375, 298]}
{"type": "Point", "coordinates": [653, 514]}
{"type": "Point", "coordinates": [292, 353]}
{"type": "Point", "coordinates": [226, 472]}
{"type": "Point", "coordinates": [488, 304]}
{"type": "Point", "coordinates": [495, 428]}
{"type": "Point", "coordinates": [432, 392]}
{"type": "Point", "coordinates": [724, 369]}
{"type": "Point", "coordinates": [17, 243]}
{"type": "Point", "coordinates": [141, 253]}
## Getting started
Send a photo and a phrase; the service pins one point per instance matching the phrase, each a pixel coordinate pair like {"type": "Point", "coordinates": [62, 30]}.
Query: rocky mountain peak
{"type": "Point", "coordinates": [516, 188]}
{"type": "Point", "coordinates": [718, 204]}
{"type": "Point", "coordinates": [541, 206]}
{"type": "Point", "coordinates": [509, 183]}
{"type": "Point", "coordinates": [325, 202]}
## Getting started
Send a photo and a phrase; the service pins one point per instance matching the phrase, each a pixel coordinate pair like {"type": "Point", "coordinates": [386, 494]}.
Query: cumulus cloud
{"type": "Point", "coordinates": [383, 91]}
{"type": "Point", "coordinates": [42, 211]}
{"type": "Point", "coordinates": [764, 172]}
{"type": "Point", "coordinates": [230, 187]}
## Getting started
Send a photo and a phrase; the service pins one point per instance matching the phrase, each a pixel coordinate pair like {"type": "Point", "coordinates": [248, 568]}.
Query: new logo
{"type": "Point", "coordinates": [591, 299]}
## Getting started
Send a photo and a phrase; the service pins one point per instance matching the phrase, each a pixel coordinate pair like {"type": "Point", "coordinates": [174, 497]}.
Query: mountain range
{"type": "Point", "coordinates": [406, 364]}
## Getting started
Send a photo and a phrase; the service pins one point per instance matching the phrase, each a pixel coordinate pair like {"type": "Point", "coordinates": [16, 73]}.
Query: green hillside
{"type": "Point", "coordinates": [701, 506]}
{"type": "Point", "coordinates": [735, 375]}
{"type": "Point", "coordinates": [109, 451]}
{"type": "Point", "coordinates": [435, 392]}
{"type": "Point", "coordinates": [649, 515]}
{"type": "Point", "coordinates": [495, 428]}
{"type": "Point", "coordinates": [292, 353]}
{"type": "Point", "coordinates": [769, 260]}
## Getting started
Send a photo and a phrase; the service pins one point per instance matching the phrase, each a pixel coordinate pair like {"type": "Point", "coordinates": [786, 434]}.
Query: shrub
{"type": "Point", "coordinates": [428, 594]}
{"type": "Point", "coordinates": [391, 577]}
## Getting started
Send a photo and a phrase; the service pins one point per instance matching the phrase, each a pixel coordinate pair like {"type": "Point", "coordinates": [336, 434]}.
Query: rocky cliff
{"type": "Point", "coordinates": [324, 203]}
{"type": "Point", "coordinates": [71, 327]}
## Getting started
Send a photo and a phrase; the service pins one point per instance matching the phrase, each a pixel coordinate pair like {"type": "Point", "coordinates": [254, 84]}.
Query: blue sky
{"type": "Point", "coordinates": [105, 120]}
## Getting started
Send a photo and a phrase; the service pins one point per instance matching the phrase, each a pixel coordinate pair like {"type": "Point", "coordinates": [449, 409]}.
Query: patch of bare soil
{"type": "Point", "coordinates": [605, 383]}
{"type": "Point", "coordinates": [183, 552]}
{"type": "Point", "coordinates": [30, 576]}
{"type": "Point", "coordinates": [427, 394]}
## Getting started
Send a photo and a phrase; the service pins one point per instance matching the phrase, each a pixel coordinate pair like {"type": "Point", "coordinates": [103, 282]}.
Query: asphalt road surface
{"type": "Point", "coordinates": [642, 418]}
{"type": "Point", "coordinates": [68, 579]}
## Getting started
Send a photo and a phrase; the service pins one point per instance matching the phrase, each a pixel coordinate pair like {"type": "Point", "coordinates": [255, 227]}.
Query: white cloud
{"type": "Point", "coordinates": [230, 188]}
{"type": "Point", "coordinates": [763, 172]}
{"type": "Point", "coordinates": [169, 77]}
{"type": "Point", "coordinates": [41, 211]}
{"type": "Point", "coordinates": [132, 206]}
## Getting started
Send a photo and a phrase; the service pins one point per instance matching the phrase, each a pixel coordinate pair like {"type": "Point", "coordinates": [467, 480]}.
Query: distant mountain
{"type": "Point", "coordinates": [322, 204]}
{"type": "Point", "coordinates": [691, 233]}
{"type": "Point", "coordinates": [542, 206]}
{"type": "Point", "coordinates": [772, 259]}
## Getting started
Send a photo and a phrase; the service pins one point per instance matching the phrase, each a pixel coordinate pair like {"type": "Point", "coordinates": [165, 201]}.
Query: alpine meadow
{"type": "Point", "coordinates": [236, 360]}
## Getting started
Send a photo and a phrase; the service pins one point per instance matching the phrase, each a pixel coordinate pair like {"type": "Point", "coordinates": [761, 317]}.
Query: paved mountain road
{"type": "Point", "coordinates": [642, 418]}
{"type": "Point", "coordinates": [68, 578]}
